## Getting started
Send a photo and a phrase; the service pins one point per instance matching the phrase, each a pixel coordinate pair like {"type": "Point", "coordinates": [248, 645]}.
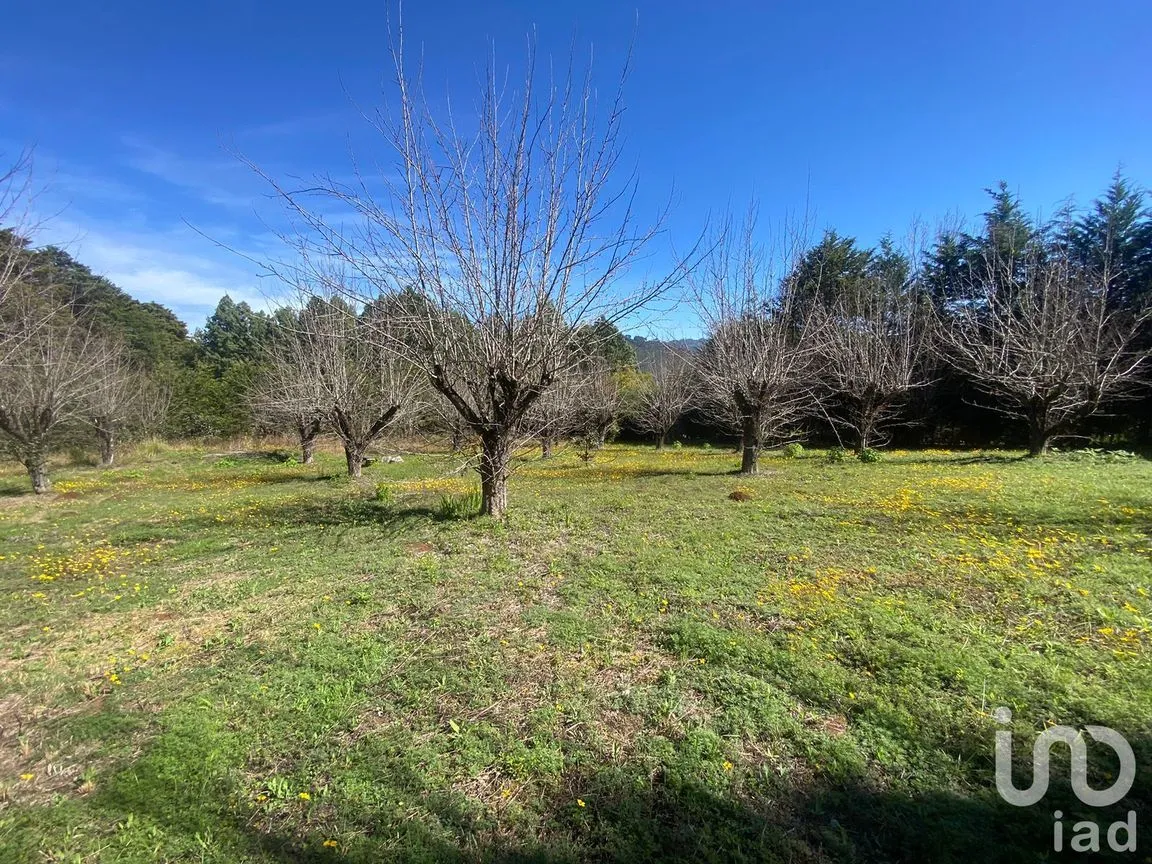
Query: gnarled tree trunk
{"type": "Point", "coordinates": [545, 446]}
{"type": "Point", "coordinates": [354, 457]}
{"type": "Point", "coordinates": [356, 442]}
{"type": "Point", "coordinates": [865, 421]}
{"type": "Point", "coordinates": [1040, 427]}
{"type": "Point", "coordinates": [38, 472]}
{"type": "Point", "coordinates": [495, 460]}
{"type": "Point", "coordinates": [749, 437]}
{"type": "Point", "coordinates": [308, 430]}
{"type": "Point", "coordinates": [1038, 440]}
{"type": "Point", "coordinates": [107, 436]}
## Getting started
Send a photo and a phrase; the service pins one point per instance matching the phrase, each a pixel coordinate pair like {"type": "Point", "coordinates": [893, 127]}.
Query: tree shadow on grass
{"type": "Point", "coordinates": [386, 521]}
{"type": "Point", "coordinates": [12, 489]}
{"type": "Point", "coordinates": [381, 797]}
{"type": "Point", "coordinates": [973, 459]}
{"type": "Point", "coordinates": [632, 816]}
{"type": "Point", "coordinates": [248, 457]}
{"type": "Point", "coordinates": [389, 518]}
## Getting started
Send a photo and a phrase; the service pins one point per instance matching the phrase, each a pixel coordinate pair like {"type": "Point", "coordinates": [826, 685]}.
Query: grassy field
{"type": "Point", "coordinates": [222, 660]}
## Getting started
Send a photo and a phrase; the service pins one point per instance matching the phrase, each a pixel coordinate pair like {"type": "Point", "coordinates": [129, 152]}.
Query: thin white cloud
{"type": "Point", "coordinates": [76, 184]}
{"type": "Point", "coordinates": [165, 267]}
{"type": "Point", "coordinates": [214, 181]}
{"type": "Point", "coordinates": [291, 126]}
{"type": "Point", "coordinates": [124, 229]}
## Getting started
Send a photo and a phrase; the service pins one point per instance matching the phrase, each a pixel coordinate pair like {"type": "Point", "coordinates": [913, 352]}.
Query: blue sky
{"type": "Point", "coordinates": [872, 113]}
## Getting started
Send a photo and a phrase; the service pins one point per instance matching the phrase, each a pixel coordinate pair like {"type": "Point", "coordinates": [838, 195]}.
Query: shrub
{"type": "Point", "coordinates": [792, 451]}
{"type": "Point", "coordinates": [676, 445]}
{"type": "Point", "coordinates": [461, 506]}
{"type": "Point", "coordinates": [80, 457]}
{"type": "Point", "coordinates": [837, 454]}
{"type": "Point", "coordinates": [869, 455]}
{"type": "Point", "coordinates": [384, 494]}
{"type": "Point", "coordinates": [1094, 454]}
{"type": "Point", "coordinates": [152, 449]}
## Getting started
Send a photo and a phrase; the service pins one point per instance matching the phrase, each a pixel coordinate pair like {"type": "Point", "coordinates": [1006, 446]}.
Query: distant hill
{"type": "Point", "coordinates": [646, 348]}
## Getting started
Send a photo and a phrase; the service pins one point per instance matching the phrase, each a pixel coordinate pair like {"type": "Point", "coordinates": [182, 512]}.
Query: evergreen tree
{"type": "Point", "coordinates": [231, 350]}
{"type": "Point", "coordinates": [234, 334]}
{"type": "Point", "coordinates": [156, 340]}
{"type": "Point", "coordinates": [947, 271]}
{"type": "Point", "coordinates": [1114, 239]}
{"type": "Point", "coordinates": [890, 268]}
{"type": "Point", "coordinates": [1009, 241]}
{"type": "Point", "coordinates": [834, 268]}
{"type": "Point", "coordinates": [604, 339]}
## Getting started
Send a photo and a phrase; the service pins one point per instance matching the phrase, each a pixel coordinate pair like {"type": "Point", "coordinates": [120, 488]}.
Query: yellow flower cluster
{"type": "Point", "coordinates": [1124, 641]}
{"type": "Point", "coordinates": [982, 483]}
{"type": "Point", "coordinates": [78, 486]}
{"type": "Point", "coordinates": [823, 587]}
{"type": "Point", "coordinates": [435, 485]}
{"type": "Point", "coordinates": [93, 568]}
{"type": "Point", "coordinates": [121, 666]}
{"type": "Point", "coordinates": [95, 562]}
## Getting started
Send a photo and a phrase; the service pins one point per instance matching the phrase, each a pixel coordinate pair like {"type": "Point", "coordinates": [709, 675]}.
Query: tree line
{"type": "Point", "coordinates": [480, 293]}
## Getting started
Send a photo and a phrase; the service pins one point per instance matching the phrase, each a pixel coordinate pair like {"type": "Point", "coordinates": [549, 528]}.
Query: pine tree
{"type": "Point", "coordinates": [1114, 239]}
{"type": "Point", "coordinates": [833, 268]}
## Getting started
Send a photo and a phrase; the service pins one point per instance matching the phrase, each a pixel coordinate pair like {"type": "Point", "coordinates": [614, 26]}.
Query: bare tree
{"type": "Point", "coordinates": [553, 416]}
{"type": "Point", "coordinates": [511, 235]}
{"type": "Point", "coordinates": [754, 367]}
{"type": "Point", "coordinates": [115, 398]}
{"type": "Point", "coordinates": [597, 403]}
{"type": "Point", "coordinates": [589, 398]}
{"type": "Point", "coordinates": [872, 344]}
{"type": "Point", "coordinates": [23, 273]}
{"type": "Point", "coordinates": [669, 391]}
{"type": "Point", "coordinates": [45, 383]}
{"type": "Point", "coordinates": [1042, 337]}
{"type": "Point", "coordinates": [155, 399]}
{"type": "Point", "coordinates": [16, 220]}
{"type": "Point", "coordinates": [340, 366]}
{"type": "Point", "coordinates": [285, 396]}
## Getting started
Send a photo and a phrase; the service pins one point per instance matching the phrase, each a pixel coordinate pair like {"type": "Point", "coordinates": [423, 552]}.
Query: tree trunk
{"type": "Point", "coordinates": [107, 446]}
{"type": "Point", "coordinates": [495, 456]}
{"type": "Point", "coordinates": [355, 459]}
{"type": "Point", "coordinates": [546, 447]}
{"type": "Point", "coordinates": [307, 432]}
{"type": "Point", "coordinates": [662, 439]}
{"type": "Point", "coordinates": [38, 473]}
{"type": "Point", "coordinates": [750, 442]}
{"type": "Point", "coordinates": [868, 411]}
{"type": "Point", "coordinates": [1038, 440]}
{"type": "Point", "coordinates": [1040, 429]}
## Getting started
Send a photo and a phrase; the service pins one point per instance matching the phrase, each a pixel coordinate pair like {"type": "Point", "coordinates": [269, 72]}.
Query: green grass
{"type": "Point", "coordinates": [235, 660]}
